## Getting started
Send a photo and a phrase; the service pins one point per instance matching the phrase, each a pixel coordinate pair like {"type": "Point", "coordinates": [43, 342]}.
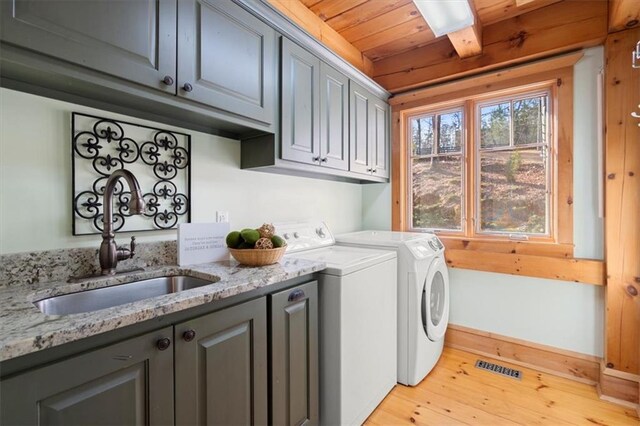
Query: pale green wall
{"type": "Point", "coordinates": [557, 313]}
{"type": "Point", "coordinates": [35, 182]}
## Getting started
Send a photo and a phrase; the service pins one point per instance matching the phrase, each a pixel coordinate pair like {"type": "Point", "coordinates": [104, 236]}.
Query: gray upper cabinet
{"type": "Point", "coordinates": [379, 137]}
{"type": "Point", "coordinates": [294, 356]}
{"type": "Point", "coordinates": [128, 383]}
{"type": "Point", "coordinates": [369, 128]}
{"type": "Point", "coordinates": [315, 100]}
{"type": "Point", "coordinates": [131, 39]}
{"type": "Point", "coordinates": [226, 58]}
{"type": "Point", "coordinates": [221, 367]}
{"type": "Point", "coordinates": [300, 114]}
{"type": "Point", "coordinates": [334, 118]}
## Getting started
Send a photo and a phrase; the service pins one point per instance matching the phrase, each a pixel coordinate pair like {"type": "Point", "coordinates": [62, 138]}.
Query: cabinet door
{"type": "Point", "coordinates": [294, 355]}
{"type": "Point", "coordinates": [334, 118]}
{"type": "Point", "coordinates": [226, 58]}
{"type": "Point", "coordinates": [221, 367]}
{"type": "Point", "coordinates": [128, 383]}
{"type": "Point", "coordinates": [379, 137]}
{"type": "Point", "coordinates": [130, 39]}
{"type": "Point", "coordinates": [359, 126]}
{"type": "Point", "coordinates": [300, 130]}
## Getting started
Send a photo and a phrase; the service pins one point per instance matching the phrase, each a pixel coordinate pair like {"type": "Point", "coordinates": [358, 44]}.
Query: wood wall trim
{"type": "Point", "coordinates": [309, 21]}
{"type": "Point", "coordinates": [560, 27]}
{"type": "Point", "coordinates": [487, 80]}
{"type": "Point", "coordinates": [618, 389]}
{"type": "Point", "coordinates": [622, 204]}
{"type": "Point", "coordinates": [573, 365]}
{"type": "Point", "coordinates": [623, 14]}
{"type": "Point", "coordinates": [585, 271]}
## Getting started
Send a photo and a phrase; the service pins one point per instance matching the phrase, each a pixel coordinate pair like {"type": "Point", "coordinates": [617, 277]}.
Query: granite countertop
{"type": "Point", "coordinates": [24, 329]}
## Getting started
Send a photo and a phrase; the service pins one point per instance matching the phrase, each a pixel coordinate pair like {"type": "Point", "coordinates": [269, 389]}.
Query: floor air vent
{"type": "Point", "coordinates": [498, 369]}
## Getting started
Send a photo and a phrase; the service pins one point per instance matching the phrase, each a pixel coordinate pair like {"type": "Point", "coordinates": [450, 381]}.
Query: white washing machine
{"type": "Point", "coordinates": [423, 297]}
{"type": "Point", "coordinates": [357, 324]}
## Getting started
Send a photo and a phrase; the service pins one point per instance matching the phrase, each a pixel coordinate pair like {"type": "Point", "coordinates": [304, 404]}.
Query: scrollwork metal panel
{"type": "Point", "coordinates": [159, 158]}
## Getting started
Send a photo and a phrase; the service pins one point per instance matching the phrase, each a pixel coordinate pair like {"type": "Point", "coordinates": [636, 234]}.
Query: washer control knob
{"type": "Point", "coordinates": [321, 233]}
{"type": "Point", "coordinates": [296, 235]}
{"type": "Point", "coordinates": [286, 236]}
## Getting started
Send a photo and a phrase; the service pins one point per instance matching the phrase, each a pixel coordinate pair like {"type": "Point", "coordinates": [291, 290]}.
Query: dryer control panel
{"type": "Point", "coordinates": [425, 248]}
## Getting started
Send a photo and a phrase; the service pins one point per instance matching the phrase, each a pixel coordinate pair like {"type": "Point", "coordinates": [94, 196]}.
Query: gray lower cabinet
{"type": "Point", "coordinates": [294, 355]}
{"type": "Point", "coordinates": [128, 383]}
{"type": "Point", "coordinates": [369, 128]}
{"type": "Point", "coordinates": [131, 39]}
{"type": "Point", "coordinates": [226, 58]}
{"type": "Point", "coordinates": [221, 367]}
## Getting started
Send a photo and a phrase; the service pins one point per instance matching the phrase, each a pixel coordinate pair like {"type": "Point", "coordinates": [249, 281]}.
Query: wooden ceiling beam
{"type": "Point", "coordinates": [560, 27]}
{"type": "Point", "coordinates": [310, 22]}
{"type": "Point", "coordinates": [468, 41]}
{"type": "Point", "coordinates": [623, 14]}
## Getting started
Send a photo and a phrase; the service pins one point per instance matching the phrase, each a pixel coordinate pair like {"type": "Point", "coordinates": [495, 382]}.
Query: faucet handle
{"type": "Point", "coordinates": [132, 246]}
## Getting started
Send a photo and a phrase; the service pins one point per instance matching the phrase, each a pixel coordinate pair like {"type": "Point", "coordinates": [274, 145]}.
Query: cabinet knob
{"type": "Point", "coordinates": [316, 159]}
{"type": "Point", "coordinates": [369, 169]}
{"type": "Point", "coordinates": [323, 160]}
{"type": "Point", "coordinates": [163, 343]}
{"type": "Point", "coordinates": [296, 295]}
{"type": "Point", "coordinates": [168, 80]}
{"type": "Point", "coordinates": [374, 170]}
{"type": "Point", "coordinates": [189, 335]}
{"type": "Point", "coordinates": [187, 87]}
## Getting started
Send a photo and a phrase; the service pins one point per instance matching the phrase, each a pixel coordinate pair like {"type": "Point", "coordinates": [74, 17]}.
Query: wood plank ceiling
{"type": "Point", "coordinates": [390, 41]}
{"type": "Point", "coordinates": [383, 28]}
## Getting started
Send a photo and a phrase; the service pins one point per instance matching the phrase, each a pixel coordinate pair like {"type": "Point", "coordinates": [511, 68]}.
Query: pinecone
{"type": "Point", "coordinates": [267, 230]}
{"type": "Point", "coordinates": [264, 243]}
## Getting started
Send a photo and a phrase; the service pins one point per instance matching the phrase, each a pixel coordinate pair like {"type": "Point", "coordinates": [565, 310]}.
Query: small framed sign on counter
{"type": "Point", "coordinates": [202, 243]}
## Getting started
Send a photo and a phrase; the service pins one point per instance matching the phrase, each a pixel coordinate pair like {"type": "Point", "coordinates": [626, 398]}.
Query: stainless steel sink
{"type": "Point", "coordinates": [107, 297]}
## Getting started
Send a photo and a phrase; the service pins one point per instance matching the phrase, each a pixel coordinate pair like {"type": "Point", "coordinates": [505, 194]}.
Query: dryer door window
{"type": "Point", "coordinates": [435, 301]}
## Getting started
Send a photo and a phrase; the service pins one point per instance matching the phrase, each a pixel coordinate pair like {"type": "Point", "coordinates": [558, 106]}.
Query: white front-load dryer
{"type": "Point", "coordinates": [427, 312]}
{"type": "Point", "coordinates": [423, 297]}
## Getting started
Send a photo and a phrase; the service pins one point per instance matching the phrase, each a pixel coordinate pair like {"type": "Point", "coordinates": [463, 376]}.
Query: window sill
{"type": "Point", "coordinates": [538, 260]}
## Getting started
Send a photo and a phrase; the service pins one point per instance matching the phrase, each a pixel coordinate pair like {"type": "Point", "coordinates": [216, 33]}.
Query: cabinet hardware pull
{"type": "Point", "coordinates": [187, 87]}
{"type": "Point", "coordinates": [296, 295]}
{"type": "Point", "coordinates": [163, 343]}
{"type": "Point", "coordinates": [189, 335]}
{"type": "Point", "coordinates": [168, 80]}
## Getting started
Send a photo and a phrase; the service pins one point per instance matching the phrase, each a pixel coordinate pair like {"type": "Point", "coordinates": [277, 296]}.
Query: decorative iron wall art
{"type": "Point", "coordinates": [160, 160]}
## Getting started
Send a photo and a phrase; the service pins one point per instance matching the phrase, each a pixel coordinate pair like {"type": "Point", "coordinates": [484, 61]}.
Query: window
{"type": "Point", "coordinates": [482, 166]}
{"type": "Point", "coordinates": [486, 162]}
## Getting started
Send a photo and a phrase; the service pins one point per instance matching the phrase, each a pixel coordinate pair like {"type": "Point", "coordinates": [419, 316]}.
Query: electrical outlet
{"type": "Point", "coordinates": [222, 216]}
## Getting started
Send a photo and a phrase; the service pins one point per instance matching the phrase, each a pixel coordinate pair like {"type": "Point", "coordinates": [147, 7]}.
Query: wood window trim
{"type": "Point", "coordinates": [542, 259]}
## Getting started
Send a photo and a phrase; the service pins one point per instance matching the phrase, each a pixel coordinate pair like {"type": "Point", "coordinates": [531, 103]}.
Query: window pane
{"type": "Point", "coordinates": [450, 132]}
{"type": "Point", "coordinates": [513, 195]}
{"type": "Point", "coordinates": [422, 135]}
{"type": "Point", "coordinates": [494, 125]}
{"type": "Point", "coordinates": [437, 192]}
{"type": "Point", "coordinates": [529, 120]}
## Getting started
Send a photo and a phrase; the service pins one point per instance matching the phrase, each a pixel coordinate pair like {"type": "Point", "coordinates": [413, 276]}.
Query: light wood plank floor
{"type": "Point", "coordinates": [456, 392]}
